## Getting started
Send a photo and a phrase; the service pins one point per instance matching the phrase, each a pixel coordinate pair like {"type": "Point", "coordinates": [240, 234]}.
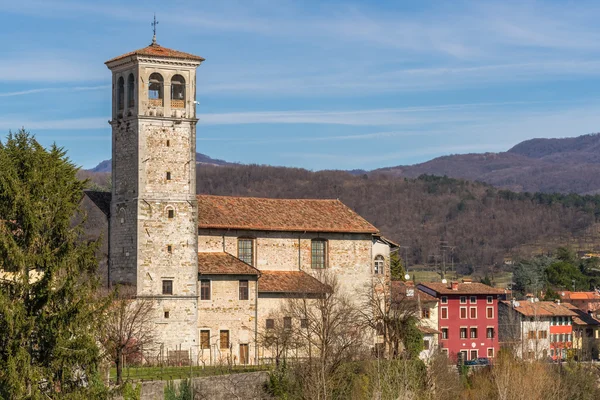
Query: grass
{"type": "Point", "coordinates": [169, 373]}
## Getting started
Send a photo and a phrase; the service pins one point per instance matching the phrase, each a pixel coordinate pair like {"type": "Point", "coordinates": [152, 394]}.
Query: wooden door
{"type": "Point", "coordinates": [243, 354]}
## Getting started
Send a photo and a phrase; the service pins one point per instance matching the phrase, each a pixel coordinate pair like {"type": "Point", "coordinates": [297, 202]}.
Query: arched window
{"type": "Point", "coordinates": [379, 265]}
{"type": "Point", "coordinates": [155, 90]}
{"type": "Point", "coordinates": [120, 93]}
{"type": "Point", "coordinates": [177, 92]}
{"type": "Point", "coordinates": [130, 91]}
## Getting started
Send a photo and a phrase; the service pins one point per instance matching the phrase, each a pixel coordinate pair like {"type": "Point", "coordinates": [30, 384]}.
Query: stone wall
{"type": "Point", "coordinates": [123, 208]}
{"type": "Point", "coordinates": [246, 386]}
{"type": "Point", "coordinates": [225, 311]}
{"type": "Point", "coordinates": [349, 255]}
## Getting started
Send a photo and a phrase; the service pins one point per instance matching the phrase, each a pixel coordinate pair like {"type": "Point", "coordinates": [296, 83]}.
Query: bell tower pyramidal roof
{"type": "Point", "coordinates": [156, 50]}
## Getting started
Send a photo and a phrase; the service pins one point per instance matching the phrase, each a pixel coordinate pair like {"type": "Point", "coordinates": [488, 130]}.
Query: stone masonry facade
{"type": "Point", "coordinates": [153, 207]}
{"type": "Point", "coordinates": [156, 237]}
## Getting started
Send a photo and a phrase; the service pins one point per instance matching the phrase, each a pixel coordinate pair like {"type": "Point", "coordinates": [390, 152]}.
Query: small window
{"type": "Point", "coordinates": [463, 333]}
{"type": "Point", "coordinates": [169, 249]}
{"type": "Point", "coordinates": [463, 299]}
{"type": "Point", "coordinates": [319, 253]}
{"type": "Point", "coordinates": [473, 299]}
{"type": "Point", "coordinates": [224, 339]}
{"type": "Point", "coordinates": [542, 334]}
{"type": "Point", "coordinates": [425, 344]}
{"type": "Point", "coordinates": [490, 299]}
{"type": "Point", "coordinates": [167, 286]}
{"type": "Point", "coordinates": [168, 143]}
{"type": "Point", "coordinates": [168, 175]}
{"type": "Point", "coordinates": [120, 93]}
{"type": "Point", "coordinates": [444, 313]}
{"type": "Point", "coordinates": [444, 333]}
{"type": "Point", "coordinates": [130, 91]}
{"type": "Point", "coordinates": [489, 333]}
{"type": "Point", "coordinates": [490, 352]}
{"type": "Point", "coordinates": [204, 339]}
{"type": "Point", "coordinates": [170, 213]}
{"type": "Point", "coordinates": [474, 354]}
{"type": "Point", "coordinates": [270, 323]}
{"type": "Point", "coordinates": [287, 322]}
{"type": "Point", "coordinates": [304, 323]}
{"type": "Point", "coordinates": [205, 289]}
{"type": "Point", "coordinates": [490, 312]}
{"type": "Point", "coordinates": [531, 335]}
{"type": "Point", "coordinates": [473, 333]}
{"type": "Point", "coordinates": [463, 313]}
{"type": "Point", "coordinates": [444, 300]}
{"type": "Point", "coordinates": [473, 312]}
{"type": "Point", "coordinates": [379, 266]}
{"type": "Point", "coordinates": [243, 290]}
{"type": "Point", "coordinates": [246, 250]}
{"type": "Point", "coordinates": [166, 314]}
{"type": "Point", "coordinates": [425, 313]}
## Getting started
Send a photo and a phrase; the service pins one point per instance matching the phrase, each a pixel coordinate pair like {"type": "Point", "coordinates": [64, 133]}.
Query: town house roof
{"type": "Point", "coordinates": [591, 296]}
{"type": "Point", "coordinates": [292, 282]}
{"type": "Point", "coordinates": [292, 215]}
{"type": "Point", "coordinates": [582, 317]}
{"type": "Point", "coordinates": [156, 50]}
{"type": "Point", "coordinates": [221, 263]}
{"type": "Point", "coordinates": [400, 291]}
{"type": "Point", "coordinates": [465, 288]}
{"type": "Point", "coordinates": [540, 309]}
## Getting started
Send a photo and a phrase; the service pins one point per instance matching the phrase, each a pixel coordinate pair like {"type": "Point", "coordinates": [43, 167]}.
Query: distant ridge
{"type": "Point", "coordinates": [566, 165]}
{"type": "Point", "coordinates": [106, 165]}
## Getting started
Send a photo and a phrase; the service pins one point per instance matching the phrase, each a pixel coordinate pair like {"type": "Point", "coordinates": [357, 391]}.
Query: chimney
{"type": "Point", "coordinates": [557, 301]}
{"type": "Point", "coordinates": [467, 280]}
{"type": "Point", "coordinates": [454, 285]}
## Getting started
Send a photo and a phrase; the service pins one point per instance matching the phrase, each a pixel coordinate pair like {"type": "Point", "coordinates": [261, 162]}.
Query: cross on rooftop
{"type": "Point", "coordinates": [154, 23]}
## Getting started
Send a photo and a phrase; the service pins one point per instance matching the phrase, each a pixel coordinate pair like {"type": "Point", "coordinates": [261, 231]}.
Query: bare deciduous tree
{"type": "Point", "coordinates": [389, 313]}
{"type": "Point", "coordinates": [128, 328]}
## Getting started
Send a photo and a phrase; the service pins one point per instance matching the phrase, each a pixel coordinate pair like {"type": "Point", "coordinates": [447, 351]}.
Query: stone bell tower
{"type": "Point", "coordinates": [153, 222]}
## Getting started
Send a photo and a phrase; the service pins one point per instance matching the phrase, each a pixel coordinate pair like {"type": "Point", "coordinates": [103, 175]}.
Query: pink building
{"type": "Point", "coordinates": [467, 318]}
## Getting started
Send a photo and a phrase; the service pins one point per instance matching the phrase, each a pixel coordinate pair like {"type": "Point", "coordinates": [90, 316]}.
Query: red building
{"type": "Point", "coordinates": [467, 318]}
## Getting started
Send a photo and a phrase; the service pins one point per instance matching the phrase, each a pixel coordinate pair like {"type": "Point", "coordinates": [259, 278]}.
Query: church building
{"type": "Point", "coordinates": [216, 267]}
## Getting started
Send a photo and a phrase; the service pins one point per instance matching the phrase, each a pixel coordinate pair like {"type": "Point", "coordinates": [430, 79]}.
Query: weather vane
{"type": "Point", "coordinates": [154, 29]}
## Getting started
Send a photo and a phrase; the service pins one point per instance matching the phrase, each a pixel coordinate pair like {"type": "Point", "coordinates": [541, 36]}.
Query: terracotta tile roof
{"type": "Point", "coordinates": [463, 288]}
{"type": "Point", "coordinates": [298, 215]}
{"type": "Point", "coordinates": [100, 199]}
{"type": "Point", "coordinates": [220, 263]}
{"type": "Point", "coordinates": [399, 292]}
{"type": "Point", "coordinates": [427, 330]}
{"type": "Point", "coordinates": [582, 317]}
{"type": "Point", "coordinates": [566, 295]}
{"type": "Point", "coordinates": [541, 309]}
{"type": "Point", "coordinates": [156, 50]}
{"type": "Point", "coordinates": [290, 282]}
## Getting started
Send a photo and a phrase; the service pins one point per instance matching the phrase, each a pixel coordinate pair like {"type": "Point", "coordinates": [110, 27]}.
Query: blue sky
{"type": "Point", "coordinates": [315, 84]}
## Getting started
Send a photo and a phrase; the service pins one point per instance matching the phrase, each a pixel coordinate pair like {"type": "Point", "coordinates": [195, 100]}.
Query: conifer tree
{"type": "Point", "coordinates": [48, 306]}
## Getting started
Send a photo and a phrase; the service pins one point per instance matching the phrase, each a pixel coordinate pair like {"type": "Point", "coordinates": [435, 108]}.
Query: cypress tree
{"type": "Point", "coordinates": [49, 309]}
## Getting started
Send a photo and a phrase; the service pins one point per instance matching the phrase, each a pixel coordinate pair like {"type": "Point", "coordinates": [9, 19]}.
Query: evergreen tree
{"type": "Point", "coordinates": [48, 311]}
{"type": "Point", "coordinates": [396, 267]}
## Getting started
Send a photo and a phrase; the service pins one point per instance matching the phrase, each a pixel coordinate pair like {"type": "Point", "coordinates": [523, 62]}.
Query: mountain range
{"type": "Point", "coordinates": [201, 159]}
{"type": "Point", "coordinates": [566, 165]}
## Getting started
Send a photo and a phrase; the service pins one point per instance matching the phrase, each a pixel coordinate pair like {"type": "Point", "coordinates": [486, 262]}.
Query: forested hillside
{"type": "Point", "coordinates": [563, 165]}
{"type": "Point", "coordinates": [483, 224]}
